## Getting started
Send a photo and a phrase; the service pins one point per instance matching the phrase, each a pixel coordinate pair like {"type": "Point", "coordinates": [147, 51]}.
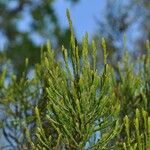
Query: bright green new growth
{"type": "Point", "coordinates": [69, 104]}
{"type": "Point", "coordinates": [140, 140]}
{"type": "Point", "coordinates": [80, 101]}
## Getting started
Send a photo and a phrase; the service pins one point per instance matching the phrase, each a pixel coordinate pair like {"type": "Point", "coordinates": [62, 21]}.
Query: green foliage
{"type": "Point", "coordinates": [70, 104]}
{"type": "Point", "coordinates": [140, 140]}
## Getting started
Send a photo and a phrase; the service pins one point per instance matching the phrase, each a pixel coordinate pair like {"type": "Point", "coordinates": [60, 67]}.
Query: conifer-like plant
{"type": "Point", "coordinates": [140, 138]}
{"type": "Point", "coordinates": [80, 104]}
{"type": "Point", "coordinates": [69, 104]}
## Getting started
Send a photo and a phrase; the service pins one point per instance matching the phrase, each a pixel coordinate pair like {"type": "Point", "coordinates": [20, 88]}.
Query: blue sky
{"type": "Point", "coordinates": [83, 15]}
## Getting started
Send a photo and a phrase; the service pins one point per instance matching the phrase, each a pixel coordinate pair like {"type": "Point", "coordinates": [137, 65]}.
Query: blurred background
{"type": "Point", "coordinates": [25, 25]}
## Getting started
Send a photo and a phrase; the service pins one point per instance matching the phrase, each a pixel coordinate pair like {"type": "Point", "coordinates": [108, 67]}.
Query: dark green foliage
{"type": "Point", "coordinates": [69, 104]}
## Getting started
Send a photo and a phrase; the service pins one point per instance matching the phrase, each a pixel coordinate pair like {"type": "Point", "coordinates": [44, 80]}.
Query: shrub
{"type": "Point", "coordinates": [70, 104]}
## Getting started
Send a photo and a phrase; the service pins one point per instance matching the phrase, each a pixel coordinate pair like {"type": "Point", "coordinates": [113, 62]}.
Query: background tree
{"type": "Point", "coordinates": [39, 21]}
{"type": "Point", "coordinates": [126, 17]}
